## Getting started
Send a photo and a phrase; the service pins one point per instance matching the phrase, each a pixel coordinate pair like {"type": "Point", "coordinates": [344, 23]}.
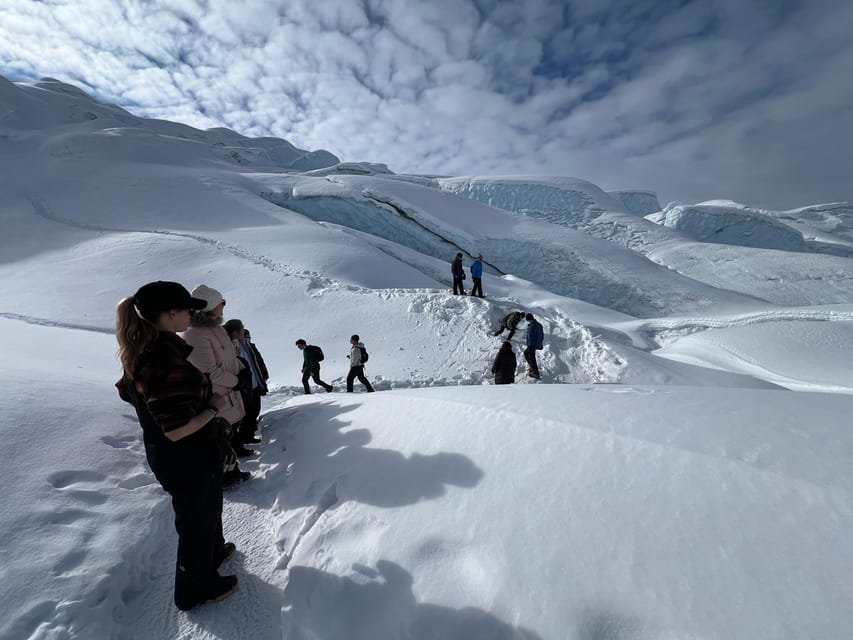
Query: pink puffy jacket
{"type": "Point", "coordinates": [214, 354]}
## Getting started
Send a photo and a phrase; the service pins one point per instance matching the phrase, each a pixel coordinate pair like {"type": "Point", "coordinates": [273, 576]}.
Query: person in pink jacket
{"type": "Point", "coordinates": [214, 354]}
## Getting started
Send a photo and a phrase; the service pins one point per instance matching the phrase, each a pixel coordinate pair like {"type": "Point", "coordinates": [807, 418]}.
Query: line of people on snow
{"type": "Point", "coordinates": [196, 384]}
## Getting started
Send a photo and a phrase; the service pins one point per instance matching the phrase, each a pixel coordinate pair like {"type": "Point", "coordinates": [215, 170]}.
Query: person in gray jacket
{"type": "Point", "coordinates": [356, 364]}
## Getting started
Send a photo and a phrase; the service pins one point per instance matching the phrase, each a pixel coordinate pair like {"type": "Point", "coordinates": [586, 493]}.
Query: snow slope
{"type": "Point", "coordinates": [661, 481]}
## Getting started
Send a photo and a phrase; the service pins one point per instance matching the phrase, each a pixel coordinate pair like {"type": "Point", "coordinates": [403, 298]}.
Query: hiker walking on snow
{"type": "Point", "coordinates": [505, 364]}
{"type": "Point", "coordinates": [356, 364]}
{"type": "Point", "coordinates": [510, 321]}
{"type": "Point", "coordinates": [477, 276]}
{"type": "Point", "coordinates": [458, 272]}
{"type": "Point", "coordinates": [535, 338]}
{"type": "Point", "coordinates": [311, 357]}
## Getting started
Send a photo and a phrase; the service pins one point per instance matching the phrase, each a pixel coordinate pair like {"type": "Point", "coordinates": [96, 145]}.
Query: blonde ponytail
{"type": "Point", "coordinates": [134, 334]}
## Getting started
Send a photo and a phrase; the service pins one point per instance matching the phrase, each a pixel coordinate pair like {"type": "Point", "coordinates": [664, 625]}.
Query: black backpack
{"type": "Point", "coordinates": [317, 351]}
{"type": "Point", "coordinates": [364, 355]}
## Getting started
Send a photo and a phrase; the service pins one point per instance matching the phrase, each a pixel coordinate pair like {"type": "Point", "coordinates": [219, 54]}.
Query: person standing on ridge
{"type": "Point", "coordinates": [356, 357]}
{"type": "Point", "coordinates": [510, 321]}
{"type": "Point", "coordinates": [181, 431]}
{"type": "Point", "coordinates": [535, 338]}
{"type": "Point", "coordinates": [311, 357]}
{"type": "Point", "coordinates": [458, 272]}
{"type": "Point", "coordinates": [477, 276]}
{"type": "Point", "coordinates": [505, 364]}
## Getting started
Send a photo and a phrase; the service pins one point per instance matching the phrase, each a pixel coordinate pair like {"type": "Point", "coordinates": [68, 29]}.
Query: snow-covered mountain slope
{"type": "Point", "coordinates": [439, 224]}
{"type": "Point", "coordinates": [674, 490]}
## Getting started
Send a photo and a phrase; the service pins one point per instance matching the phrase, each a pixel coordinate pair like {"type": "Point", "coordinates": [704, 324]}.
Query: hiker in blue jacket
{"type": "Point", "coordinates": [535, 338]}
{"type": "Point", "coordinates": [477, 276]}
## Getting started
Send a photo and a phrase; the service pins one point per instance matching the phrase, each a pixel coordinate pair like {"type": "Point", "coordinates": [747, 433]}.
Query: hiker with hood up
{"type": "Point", "coordinates": [311, 357]}
{"type": "Point", "coordinates": [505, 364]}
{"type": "Point", "coordinates": [356, 364]}
{"type": "Point", "coordinates": [510, 321]}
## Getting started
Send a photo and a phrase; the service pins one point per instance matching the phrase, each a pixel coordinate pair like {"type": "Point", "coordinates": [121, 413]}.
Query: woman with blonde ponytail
{"type": "Point", "coordinates": [181, 432]}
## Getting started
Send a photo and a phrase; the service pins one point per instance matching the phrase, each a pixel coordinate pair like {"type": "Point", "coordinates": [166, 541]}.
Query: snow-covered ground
{"type": "Point", "coordinates": [683, 470]}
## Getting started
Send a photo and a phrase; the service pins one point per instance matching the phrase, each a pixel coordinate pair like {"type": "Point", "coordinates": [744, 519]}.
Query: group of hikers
{"type": "Point", "coordinates": [458, 273]}
{"type": "Point", "coordinates": [197, 397]}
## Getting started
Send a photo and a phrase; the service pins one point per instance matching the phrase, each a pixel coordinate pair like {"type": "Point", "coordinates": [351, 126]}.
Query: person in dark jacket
{"type": "Point", "coordinates": [535, 338]}
{"type": "Point", "coordinates": [356, 366]}
{"type": "Point", "coordinates": [182, 434]}
{"type": "Point", "coordinates": [477, 276]}
{"type": "Point", "coordinates": [505, 364]}
{"type": "Point", "coordinates": [510, 321]}
{"type": "Point", "coordinates": [458, 273]}
{"type": "Point", "coordinates": [311, 365]}
{"type": "Point", "coordinates": [256, 385]}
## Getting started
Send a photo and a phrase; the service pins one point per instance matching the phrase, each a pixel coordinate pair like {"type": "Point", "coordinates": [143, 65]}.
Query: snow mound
{"type": "Point", "coordinates": [732, 225]}
{"type": "Point", "coordinates": [640, 202]}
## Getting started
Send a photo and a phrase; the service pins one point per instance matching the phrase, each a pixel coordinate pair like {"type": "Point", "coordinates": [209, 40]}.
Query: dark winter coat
{"type": "Point", "coordinates": [535, 334]}
{"type": "Point", "coordinates": [309, 360]}
{"type": "Point", "coordinates": [511, 320]}
{"type": "Point", "coordinates": [172, 388]}
{"type": "Point", "coordinates": [167, 391]}
{"type": "Point", "coordinates": [457, 269]}
{"type": "Point", "coordinates": [504, 367]}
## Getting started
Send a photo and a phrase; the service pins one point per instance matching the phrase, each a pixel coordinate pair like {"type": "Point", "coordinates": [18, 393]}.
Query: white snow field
{"type": "Point", "coordinates": [683, 469]}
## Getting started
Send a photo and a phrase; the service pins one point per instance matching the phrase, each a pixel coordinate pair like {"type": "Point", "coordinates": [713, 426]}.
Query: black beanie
{"type": "Point", "coordinates": [354, 337]}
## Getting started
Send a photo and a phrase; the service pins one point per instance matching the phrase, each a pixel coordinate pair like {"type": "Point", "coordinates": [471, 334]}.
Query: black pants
{"type": "Point", "coordinates": [477, 289]}
{"type": "Point", "coordinates": [252, 404]}
{"type": "Point", "coordinates": [198, 521]}
{"type": "Point", "coordinates": [316, 376]}
{"type": "Point", "coordinates": [458, 285]}
{"type": "Point", "coordinates": [501, 330]}
{"type": "Point", "coordinates": [530, 357]}
{"type": "Point", "coordinates": [192, 475]}
{"type": "Point", "coordinates": [358, 372]}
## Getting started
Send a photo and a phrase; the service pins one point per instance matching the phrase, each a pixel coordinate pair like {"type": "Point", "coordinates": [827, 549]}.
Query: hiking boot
{"type": "Point", "coordinates": [243, 452]}
{"type": "Point", "coordinates": [253, 440]}
{"type": "Point", "coordinates": [534, 375]}
{"type": "Point", "coordinates": [226, 553]}
{"type": "Point", "coordinates": [234, 477]}
{"type": "Point", "coordinates": [329, 388]}
{"type": "Point", "coordinates": [218, 590]}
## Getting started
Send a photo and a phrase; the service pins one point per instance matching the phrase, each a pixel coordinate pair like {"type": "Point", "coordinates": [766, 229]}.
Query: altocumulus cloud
{"type": "Point", "coordinates": [695, 99]}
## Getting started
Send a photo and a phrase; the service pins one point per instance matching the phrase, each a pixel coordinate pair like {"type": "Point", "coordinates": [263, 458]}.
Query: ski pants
{"type": "Point", "coordinates": [530, 357]}
{"type": "Point", "coordinates": [358, 372]}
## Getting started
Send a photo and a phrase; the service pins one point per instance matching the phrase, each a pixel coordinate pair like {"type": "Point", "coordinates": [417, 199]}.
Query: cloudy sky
{"type": "Point", "coordinates": [744, 99]}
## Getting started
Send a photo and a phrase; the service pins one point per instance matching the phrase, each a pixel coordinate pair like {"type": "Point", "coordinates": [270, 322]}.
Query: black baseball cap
{"type": "Point", "coordinates": [164, 296]}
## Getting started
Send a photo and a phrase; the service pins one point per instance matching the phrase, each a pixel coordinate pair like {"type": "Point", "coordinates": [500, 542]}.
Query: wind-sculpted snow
{"type": "Point", "coordinates": [568, 202]}
{"type": "Point", "coordinates": [640, 202]}
{"type": "Point", "coordinates": [729, 225]}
